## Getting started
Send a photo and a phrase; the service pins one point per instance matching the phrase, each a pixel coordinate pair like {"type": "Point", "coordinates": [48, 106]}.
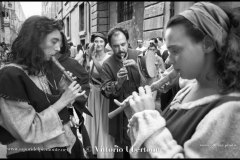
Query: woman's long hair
{"type": "Point", "coordinates": [65, 47]}
{"type": "Point", "coordinates": [25, 49]}
{"type": "Point", "coordinates": [228, 61]}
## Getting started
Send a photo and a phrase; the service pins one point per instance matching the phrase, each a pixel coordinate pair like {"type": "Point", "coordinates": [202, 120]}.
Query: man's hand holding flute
{"type": "Point", "coordinates": [165, 83]}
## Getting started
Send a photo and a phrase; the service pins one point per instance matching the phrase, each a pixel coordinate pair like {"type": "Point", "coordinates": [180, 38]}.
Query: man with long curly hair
{"type": "Point", "coordinates": [35, 123]}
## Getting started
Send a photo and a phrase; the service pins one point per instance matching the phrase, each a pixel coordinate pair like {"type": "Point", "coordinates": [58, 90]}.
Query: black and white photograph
{"type": "Point", "coordinates": [119, 79]}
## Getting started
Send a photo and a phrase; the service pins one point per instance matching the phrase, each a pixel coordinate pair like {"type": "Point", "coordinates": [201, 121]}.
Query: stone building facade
{"type": "Point", "coordinates": [76, 18]}
{"type": "Point", "coordinates": [12, 17]}
{"type": "Point", "coordinates": [143, 19]}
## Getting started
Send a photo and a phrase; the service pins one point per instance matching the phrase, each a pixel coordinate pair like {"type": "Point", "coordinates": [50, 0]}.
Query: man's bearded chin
{"type": "Point", "coordinates": [122, 54]}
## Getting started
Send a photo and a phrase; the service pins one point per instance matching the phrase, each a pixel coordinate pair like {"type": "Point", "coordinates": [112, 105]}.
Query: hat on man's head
{"type": "Point", "coordinates": [98, 34]}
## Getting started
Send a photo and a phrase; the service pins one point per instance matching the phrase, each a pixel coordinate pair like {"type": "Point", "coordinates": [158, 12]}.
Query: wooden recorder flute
{"type": "Point", "coordinates": [170, 76]}
{"type": "Point", "coordinates": [123, 59]}
{"type": "Point", "coordinates": [64, 72]}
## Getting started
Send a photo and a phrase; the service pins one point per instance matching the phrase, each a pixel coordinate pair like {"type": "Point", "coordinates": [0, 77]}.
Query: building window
{"type": "Point", "coordinates": [68, 27]}
{"type": "Point", "coordinates": [81, 17]}
{"type": "Point", "coordinates": [125, 11]}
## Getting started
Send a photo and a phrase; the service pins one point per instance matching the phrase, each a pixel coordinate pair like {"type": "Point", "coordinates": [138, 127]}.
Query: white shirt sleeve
{"type": "Point", "coordinates": [25, 124]}
{"type": "Point", "coordinates": [216, 136]}
{"type": "Point", "coordinates": [79, 57]}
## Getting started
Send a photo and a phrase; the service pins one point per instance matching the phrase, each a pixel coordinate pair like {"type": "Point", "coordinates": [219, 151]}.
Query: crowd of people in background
{"type": "Point", "coordinates": [90, 58]}
{"type": "Point", "coordinates": [4, 49]}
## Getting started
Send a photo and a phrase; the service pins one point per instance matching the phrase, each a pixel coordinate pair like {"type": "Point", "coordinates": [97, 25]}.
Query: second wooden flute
{"type": "Point", "coordinates": [171, 75]}
{"type": "Point", "coordinates": [64, 72]}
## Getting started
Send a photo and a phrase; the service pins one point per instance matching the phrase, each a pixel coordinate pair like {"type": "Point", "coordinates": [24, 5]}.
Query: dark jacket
{"type": "Point", "coordinates": [118, 125]}
{"type": "Point", "coordinates": [82, 75]}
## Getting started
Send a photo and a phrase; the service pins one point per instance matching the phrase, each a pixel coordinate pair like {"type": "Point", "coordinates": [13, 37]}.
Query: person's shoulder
{"type": "Point", "coordinates": [109, 61]}
{"type": "Point", "coordinates": [226, 113]}
{"type": "Point", "coordinates": [12, 70]}
{"type": "Point", "coordinates": [109, 58]}
{"type": "Point", "coordinates": [229, 105]}
{"type": "Point", "coordinates": [12, 74]}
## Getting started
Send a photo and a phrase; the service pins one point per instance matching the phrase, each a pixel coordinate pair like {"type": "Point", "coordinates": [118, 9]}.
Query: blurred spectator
{"type": "Point", "coordinates": [140, 45]}
{"type": "Point", "coordinates": [163, 48]}
{"type": "Point", "coordinates": [80, 54]}
{"type": "Point", "coordinates": [155, 41]}
{"type": "Point", "coordinates": [159, 61]}
{"type": "Point", "coordinates": [1, 51]}
{"type": "Point", "coordinates": [129, 46]}
{"type": "Point", "coordinates": [1, 55]}
{"type": "Point", "coordinates": [73, 50]}
{"type": "Point", "coordinates": [86, 46]}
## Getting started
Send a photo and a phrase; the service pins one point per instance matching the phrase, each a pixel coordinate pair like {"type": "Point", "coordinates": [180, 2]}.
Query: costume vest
{"type": "Point", "coordinates": [17, 86]}
{"type": "Point", "coordinates": [182, 123]}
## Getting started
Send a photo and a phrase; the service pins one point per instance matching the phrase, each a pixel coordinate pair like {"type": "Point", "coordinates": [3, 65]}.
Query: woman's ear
{"type": "Point", "coordinates": [208, 44]}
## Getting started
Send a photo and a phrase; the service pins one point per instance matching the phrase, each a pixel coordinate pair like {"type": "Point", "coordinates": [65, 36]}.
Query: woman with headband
{"type": "Point", "coordinates": [203, 119]}
{"type": "Point", "coordinates": [97, 126]}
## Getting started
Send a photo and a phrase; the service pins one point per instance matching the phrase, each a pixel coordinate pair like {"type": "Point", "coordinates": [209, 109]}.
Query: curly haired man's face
{"type": "Point", "coordinates": [119, 44]}
{"type": "Point", "coordinates": [51, 44]}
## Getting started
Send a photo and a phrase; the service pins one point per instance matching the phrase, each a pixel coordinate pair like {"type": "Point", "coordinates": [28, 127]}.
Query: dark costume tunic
{"type": "Point", "coordinates": [16, 86]}
{"type": "Point", "coordinates": [118, 124]}
{"type": "Point", "coordinates": [182, 123]}
{"type": "Point", "coordinates": [207, 127]}
{"type": "Point", "coordinates": [79, 71]}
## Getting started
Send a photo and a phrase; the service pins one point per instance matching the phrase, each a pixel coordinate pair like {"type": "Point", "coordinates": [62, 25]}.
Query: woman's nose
{"type": "Point", "coordinates": [58, 47]}
{"type": "Point", "coordinates": [169, 60]}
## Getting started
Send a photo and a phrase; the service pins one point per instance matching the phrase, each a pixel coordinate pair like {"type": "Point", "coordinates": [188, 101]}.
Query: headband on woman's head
{"type": "Point", "coordinates": [98, 34]}
{"type": "Point", "coordinates": [211, 20]}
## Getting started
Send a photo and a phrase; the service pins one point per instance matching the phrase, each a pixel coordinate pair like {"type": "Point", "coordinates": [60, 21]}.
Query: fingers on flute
{"type": "Point", "coordinates": [148, 90]}
{"type": "Point", "coordinates": [141, 91]}
{"type": "Point", "coordinates": [82, 93]}
{"type": "Point", "coordinates": [135, 96]}
{"type": "Point", "coordinates": [72, 84]}
{"type": "Point", "coordinates": [132, 103]}
{"type": "Point", "coordinates": [117, 103]}
{"type": "Point", "coordinates": [74, 77]}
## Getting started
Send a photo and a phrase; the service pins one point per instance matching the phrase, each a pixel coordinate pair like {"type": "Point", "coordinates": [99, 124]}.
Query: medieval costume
{"type": "Point", "coordinates": [30, 127]}
{"type": "Point", "coordinates": [118, 124]}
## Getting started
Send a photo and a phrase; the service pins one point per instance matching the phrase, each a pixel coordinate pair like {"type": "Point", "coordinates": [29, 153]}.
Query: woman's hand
{"type": "Point", "coordinates": [72, 92]}
{"type": "Point", "coordinates": [143, 101]}
{"type": "Point", "coordinates": [71, 75]}
{"type": "Point", "coordinates": [68, 96]}
{"type": "Point", "coordinates": [64, 82]}
{"type": "Point", "coordinates": [92, 50]}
